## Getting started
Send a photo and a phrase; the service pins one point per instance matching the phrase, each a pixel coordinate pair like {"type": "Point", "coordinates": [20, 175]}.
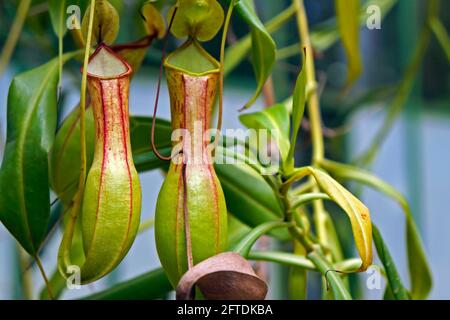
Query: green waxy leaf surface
{"type": "Point", "coordinates": [395, 283]}
{"type": "Point", "coordinates": [151, 285]}
{"type": "Point", "coordinates": [263, 46]}
{"type": "Point", "coordinates": [274, 119]}
{"type": "Point", "coordinates": [24, 174]}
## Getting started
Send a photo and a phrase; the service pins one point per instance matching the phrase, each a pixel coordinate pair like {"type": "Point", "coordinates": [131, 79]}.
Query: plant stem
{"type": "Point", "coordinates": [44, 276]}
{"type": "Point", "coordinates": [313, 101]}
{"type": "Point", "coordinates": [320, 216]}
{"type": "Point", "coordinates": [222, 72]}
{"type": "Point", "coordinates": [27, 281]}
{"type": "Point", "coordinates": [66, 243]}
{"type": "Point", "coordinates": [14, 34]}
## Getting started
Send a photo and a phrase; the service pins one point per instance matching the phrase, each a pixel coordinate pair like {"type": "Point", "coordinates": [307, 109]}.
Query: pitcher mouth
{"type": "Point", "coordinates": [106, 64]}
{"type": "Point", "coordinates": [191, 58]}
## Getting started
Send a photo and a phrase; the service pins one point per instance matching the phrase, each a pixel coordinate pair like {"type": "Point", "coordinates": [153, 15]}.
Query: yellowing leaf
{"type": "Point", "coordinates": [357, 212]}
{"type": "Point", "coordinates": [347, 12]}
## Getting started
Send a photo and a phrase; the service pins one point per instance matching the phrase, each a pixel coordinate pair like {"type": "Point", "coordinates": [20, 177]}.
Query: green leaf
{"type": "Point", "coordinates": [263, 46]}
{"type": "Point", "coordinates": [249, 197]}
{"type": "Point", "coordinates": [276, 120]}
{"type": "Point", "coordinates": [394, 280]}
{"type": "Point", "coordinates": [57, 10]}
{"type": "Point", "coordinates": [236, 53]}
{"type": "Point", "coordinates": [24, 182]}
{"type": "Point", "coordinates": [151, 285]}
{"type": "Point", "coordinates": [246, 244]}
{"type": "Point", "coordinates": [64, 155]}
{"type": "Point", "coordinates": [347, 15]}
{"type": "Point", "coordinates": [419, 270]}
{"type": "Point", "coordinates": [298, 108]}
{"type": "Point", "coordinates": [143, 156]}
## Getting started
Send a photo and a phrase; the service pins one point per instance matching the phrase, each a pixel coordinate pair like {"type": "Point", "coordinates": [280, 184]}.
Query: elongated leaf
{"type": "Point", "coordinates": [263, 47]}
{"type": "Point", "coordinates": [347, 15]}
{"type": "Point", "coordinates": [57, 10]}
{"type": "Point", "coordinates": [151, 285]}
{"type": "Point", "coordinates": [64, 155]}
{"type": "Point", "coordinates": [394, 280]}
{"type": "Point", "coordinates": [24, 183]}
{"type": "Point", "coordinates": [356, 211]}
{"type": "Point", "coordinates": [298, 108]}
{"type": "Point", "coordinates": [419, 270]}
{"type": "Point", "coordinates": [274, 119]}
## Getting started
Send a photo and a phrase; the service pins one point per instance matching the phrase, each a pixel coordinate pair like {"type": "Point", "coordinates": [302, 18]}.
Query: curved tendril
{"type": "Point", "coordinates": [155, 109]}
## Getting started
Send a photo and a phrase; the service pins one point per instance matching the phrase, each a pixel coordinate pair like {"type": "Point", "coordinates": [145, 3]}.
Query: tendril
{"type": "Point", "coordinates": [155, 109]}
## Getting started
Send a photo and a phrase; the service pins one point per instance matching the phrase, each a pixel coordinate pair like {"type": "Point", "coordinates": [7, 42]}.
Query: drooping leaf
{"type": "Point", "coordinates": [151, 285]}
{"type": "Point", "coordinates": [419, 270]}
{"type": "Point", "coordinates": [274, 119]}
{"type": "Point", "coordinates": [263, 47]}
{"type": "Point", "coordinates": [298, 108]}
{"type": "Point", "coordinates": [57, 10]}
{"type": "Point", "coordinates": [24, 182]}
{"type": "Point", "coordinates": [348, 21]}
{"type": "Point", "coordinates": [394, 280]}
{"type": "Point", "coordinates": [357, 212]}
